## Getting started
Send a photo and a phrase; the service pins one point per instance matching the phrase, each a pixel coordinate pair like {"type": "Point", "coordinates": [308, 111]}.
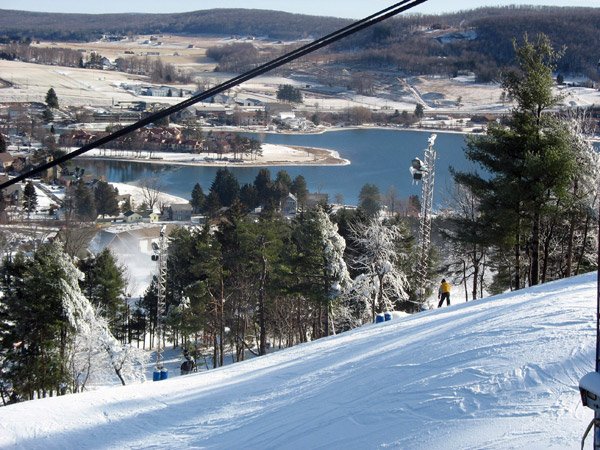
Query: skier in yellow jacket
{"type": "Point", "coordinates": [444, 293]}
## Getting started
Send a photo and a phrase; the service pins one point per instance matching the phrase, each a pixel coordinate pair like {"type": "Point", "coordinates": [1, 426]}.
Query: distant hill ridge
{"type": "Point", "coordinates": [403, 42]}
{"type": "Point", "coordinates": [274, 24]}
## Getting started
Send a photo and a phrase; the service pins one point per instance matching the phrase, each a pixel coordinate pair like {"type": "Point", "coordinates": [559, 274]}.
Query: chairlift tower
{"type": "Point", "coordinates": [160, 255]}
{"type": "Point", "coordinates": [424, 171]}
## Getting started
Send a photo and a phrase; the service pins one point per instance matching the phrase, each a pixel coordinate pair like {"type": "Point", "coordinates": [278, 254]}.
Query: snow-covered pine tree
{"type": "Point", "coordinates": [337, 277]}
{"type": "Point", "coordinates": [92, 335]}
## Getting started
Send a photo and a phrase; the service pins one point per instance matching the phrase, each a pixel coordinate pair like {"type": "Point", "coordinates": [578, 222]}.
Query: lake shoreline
{"type": "Point", "coordinates": [273, 155]}
{"type": "Point", "coordinates": [291, 155]}
{"type": "Point", "coordinates": [378, 156]}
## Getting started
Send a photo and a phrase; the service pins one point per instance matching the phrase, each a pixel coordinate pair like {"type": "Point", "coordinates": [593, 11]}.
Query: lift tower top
{"type": "Point", "coordinates": [424, 171]}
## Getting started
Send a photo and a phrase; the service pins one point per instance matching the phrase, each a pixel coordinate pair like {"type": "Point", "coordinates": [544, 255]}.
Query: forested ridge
{"type": "Point", "coordinates": [479, 40]}
{"type": "Point", "coordinates": [73, 27]}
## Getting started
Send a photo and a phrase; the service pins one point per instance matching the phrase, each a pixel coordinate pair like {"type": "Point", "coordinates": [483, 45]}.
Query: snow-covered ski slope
{"type": "Point", "coordinates": [499, 373]}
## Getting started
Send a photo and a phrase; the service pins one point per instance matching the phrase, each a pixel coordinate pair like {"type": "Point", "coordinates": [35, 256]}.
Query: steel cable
{"type": "Point", "coordinates": [284, 59]}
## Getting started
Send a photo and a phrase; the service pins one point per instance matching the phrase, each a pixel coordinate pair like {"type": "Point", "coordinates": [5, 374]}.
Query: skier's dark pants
{"type": "Point", "coordinates": [445, 296]}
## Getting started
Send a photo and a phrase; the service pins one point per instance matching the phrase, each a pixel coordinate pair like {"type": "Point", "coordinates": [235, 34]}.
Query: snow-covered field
{"type": "Point", "coordinates": [101, 88]}
{"type": "Point", "coordinates": [499, 373]}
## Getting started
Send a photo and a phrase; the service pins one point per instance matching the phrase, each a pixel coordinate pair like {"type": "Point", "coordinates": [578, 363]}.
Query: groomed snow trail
{"type": "Point", "coordinates": [499, 373]}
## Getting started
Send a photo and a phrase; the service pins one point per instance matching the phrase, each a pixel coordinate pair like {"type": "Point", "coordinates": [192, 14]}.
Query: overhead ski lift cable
{"type": "Point", "coordinates": [362, 24]}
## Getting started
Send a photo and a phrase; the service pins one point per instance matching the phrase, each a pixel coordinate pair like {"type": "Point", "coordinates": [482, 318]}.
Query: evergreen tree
{"type": "Point", "coordinates": [105, 198]}
{"type": "Point", "coordinates": [284, 178]}
{"type": "Point", "coordinates": [2, 143]}
{"type": "Point", "coordinates": [289, 93]}
{"type": "Point", "coordinates": [262, 183]}
{"type": "Point", "coordinates": [51, 99]}
{"type": "Point", "coordinates": [369, 199]}
{"type": "Point", "coordinates": [208, 271]}
{"type": "Point", "coordinates": [419, 111]}
{"type": "Point", "coordinates": [253, 251]}
{"type": "Point", "coordinates": [126, 206]}
{"type": "Point", "coordinates": [212, 204]}
{"type": "Point", "coordinates": [226, 187]}
{"type": "Point", "coordinates": [198, 198]}
{"type": "Point", "coordinates": [192, 130]}
{"type": "Point", "coordinates": [249, 196]}
{"type": "Point", "coordinates": [83, 201]}
{"type": "Point", "coordinates": [299, 189]}
{"type": "Point", "coordinates": [104, 285]}
{"type": "Point", "coordinates": [317, 262]}
{"type": "Point", "coordinates": [336, 278]}
{"type": "Point", "coordinates": [527, 160]}
{"type": "Point", "coordinates": [32, 317]}
{"type": "Point", "coordinates": [29, 198]}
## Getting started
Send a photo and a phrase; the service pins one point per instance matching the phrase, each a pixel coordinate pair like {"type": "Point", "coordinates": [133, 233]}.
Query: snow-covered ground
{"type": "Point", "coordinates": [101, 88]}
{"type": "Point", "coordinates": [137, 195]}
{"type": "Point", "coordinates": [272, 154]}
{"type": "Point", "coordinates": [497, 373]}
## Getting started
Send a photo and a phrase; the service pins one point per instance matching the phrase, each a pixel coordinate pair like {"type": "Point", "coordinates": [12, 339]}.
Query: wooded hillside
{"type": "Point", "coordinates": [73, 27]}
{"type": "Point", "coordinates": [479, 40]}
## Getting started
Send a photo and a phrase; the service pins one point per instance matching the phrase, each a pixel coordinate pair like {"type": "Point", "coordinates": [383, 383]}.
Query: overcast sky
{"type": "Point", "coordinates": [355, 9]}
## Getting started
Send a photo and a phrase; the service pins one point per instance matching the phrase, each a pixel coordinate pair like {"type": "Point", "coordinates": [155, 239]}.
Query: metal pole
{"type": "Point", "coordinates": [596, 412]}
{"type": "Point", "coordinates": [160, 306]}
{"type": "Point", "coordinates": [426, 213]}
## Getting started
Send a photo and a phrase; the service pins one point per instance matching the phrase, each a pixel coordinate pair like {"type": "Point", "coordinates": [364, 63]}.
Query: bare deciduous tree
{"type": "Point", "coordinates": [151, 189]}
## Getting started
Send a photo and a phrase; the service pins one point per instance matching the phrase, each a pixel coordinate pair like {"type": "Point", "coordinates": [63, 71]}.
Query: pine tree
{"type": "Point", "coordinates": [249, 196]}
{"type": "Point", "coordinates": [336, 278]}
{"type": "Point", "coordinates": [126, 206]}
{"type": "Point", "coordinates": [419, 111]}
{"type": "Point", "coordinates": [289, 93]}
{"type": "Point", "coordinates": [105, 199]}
{"type": "Point", "coordinates": [33, 322]}
{"type": "Point", "coordinates": [104, 286]}
{"type": "Point", "coordinates": [226, 187]}
{"type": "Point", "coordinates": [369, 199]}
{"type": "Point", "coordinates": [527, 160]}
{"type": "Point", "coordinates": [252, 252]}
{"type": "Point", "coordinates": [29, 198]}
{"type": "Point", "coordinates": [262, 183]}
{"type": "Point", "coordinates": [84, 203]}
{"type": "Point", "coordinates": [317, 262]}
{"type": "Point", "coordinates": [49, 326]}
{"type": "Point", "coordinates": [198, 198]}
{"type": "Point", "coordinates": [51, 99]}
{"type": "Point", "coordinates": [299, 189]}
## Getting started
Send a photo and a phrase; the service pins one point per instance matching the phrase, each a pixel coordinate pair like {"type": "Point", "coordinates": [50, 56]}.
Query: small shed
{"type": "Point", "coordinates": [181, 212]}
{"type": "Point", "coordinates": [132, 217]}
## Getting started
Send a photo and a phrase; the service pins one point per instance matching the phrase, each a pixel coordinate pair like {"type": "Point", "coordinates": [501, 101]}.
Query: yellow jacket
{"type": "Point", "coordinates": [445, 288]}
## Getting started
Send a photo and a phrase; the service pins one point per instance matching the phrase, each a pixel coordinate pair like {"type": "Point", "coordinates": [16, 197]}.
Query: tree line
{"type": "Point", "coordinates": [401, 43]}
{"type": "Point", "coordinates": [241, 282]}
{"type": "Point", "coordinates": [529, 210]}
{"type": "Point", "coordinates": [88, 27]}
{"type": "Point", "coordinates": [155, 68]}
{"type": "Point", "coordinates": [238, 284]}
